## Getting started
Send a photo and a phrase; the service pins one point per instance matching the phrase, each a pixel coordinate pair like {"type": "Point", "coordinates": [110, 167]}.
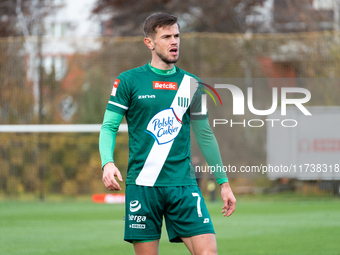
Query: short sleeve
{"type": "Point", "coordinates": [120, 96]}
{"type": "Point", "coordinates": [197, 112]}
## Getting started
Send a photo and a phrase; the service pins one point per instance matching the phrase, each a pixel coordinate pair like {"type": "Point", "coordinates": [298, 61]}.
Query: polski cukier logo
{"type": "Point", "coordinates": [164, 126]}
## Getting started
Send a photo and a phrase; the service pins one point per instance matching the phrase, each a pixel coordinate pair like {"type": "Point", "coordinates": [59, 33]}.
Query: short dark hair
{"type": "Point", "coordinates": [158, 20]}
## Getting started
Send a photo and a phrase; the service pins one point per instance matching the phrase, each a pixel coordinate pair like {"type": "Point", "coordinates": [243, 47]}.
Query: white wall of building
{"type": "Point", "coordinates": [72, 29]}
{"type": "Point", "coordinates": [73, 19]}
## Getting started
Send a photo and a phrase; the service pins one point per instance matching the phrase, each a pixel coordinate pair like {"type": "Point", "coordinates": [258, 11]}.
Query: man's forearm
{"type": "Point", "coordinates": [107, 137]}
{"type": "Point", "coordinates": [209, 147]}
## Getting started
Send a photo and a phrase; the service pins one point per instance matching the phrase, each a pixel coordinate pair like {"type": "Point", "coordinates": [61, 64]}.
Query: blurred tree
{"type": "Point", "coordinates": [12, 68]}
{"type": "Point", "coordinates": [8, 17]}
{"type": "Point", "coordinates": [233, 16]}
{"type": "Point", "coordinates": [127, 16]}
{"type": "Point", "coordinates": [22, 18]}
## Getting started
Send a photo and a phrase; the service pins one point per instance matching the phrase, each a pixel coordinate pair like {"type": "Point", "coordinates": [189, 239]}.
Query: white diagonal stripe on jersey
{"type": "Point", "coordinates": [153, 164]}
{"type": "Point", "coordinates": [159, 152]}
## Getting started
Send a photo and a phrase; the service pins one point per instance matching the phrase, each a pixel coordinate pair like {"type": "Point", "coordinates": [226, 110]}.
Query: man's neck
{"type": "Point", "coordinates": [161, 64]}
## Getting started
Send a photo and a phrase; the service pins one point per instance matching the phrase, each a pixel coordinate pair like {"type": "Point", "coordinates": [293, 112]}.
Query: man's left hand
{"type": "Point", "coordinates": [229, 200]}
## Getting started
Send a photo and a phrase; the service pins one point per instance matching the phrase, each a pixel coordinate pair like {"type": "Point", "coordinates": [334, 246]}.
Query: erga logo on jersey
{"type": "Point", "coordinates": [164, 126]}
{"type": "Point", "coordinates": [137, 218]}
{"type": "Point", "coordinates": [115, 86]}
{"type": "Point", "coordinates": [135, 206]}
{"type": "Point", "coordinates": [165, 85]}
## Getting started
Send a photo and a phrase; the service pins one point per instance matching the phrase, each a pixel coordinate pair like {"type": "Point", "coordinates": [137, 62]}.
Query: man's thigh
{"type": "Point", "coordinates": [146, 248]}
{"type": "Point", "coordinates": [143, 213]}
{"type": "Point", "coordinates": [186, 214]}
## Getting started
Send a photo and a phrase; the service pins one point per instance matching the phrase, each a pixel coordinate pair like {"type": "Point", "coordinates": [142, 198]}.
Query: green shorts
{"type": "Point", "coordinates": [183, 208]}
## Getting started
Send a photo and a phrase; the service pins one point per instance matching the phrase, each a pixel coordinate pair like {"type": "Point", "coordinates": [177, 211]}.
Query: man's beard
{"type": "Point", "coordinates": [166, 59]}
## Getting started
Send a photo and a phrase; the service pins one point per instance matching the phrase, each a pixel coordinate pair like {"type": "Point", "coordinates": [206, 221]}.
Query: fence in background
{"type": "Point", "coordinates": [72, 84]}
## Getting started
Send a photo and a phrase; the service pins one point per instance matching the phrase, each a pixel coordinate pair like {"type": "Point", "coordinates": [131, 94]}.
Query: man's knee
{"type": "Point", "coordinates": [208, 251]}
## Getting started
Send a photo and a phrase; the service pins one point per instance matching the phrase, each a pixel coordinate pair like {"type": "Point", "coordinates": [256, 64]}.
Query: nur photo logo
{"type": "Point", "coordinates": [289, 96]}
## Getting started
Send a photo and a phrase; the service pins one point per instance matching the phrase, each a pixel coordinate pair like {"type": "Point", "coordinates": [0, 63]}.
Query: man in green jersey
{"type": "Point", "coordinates": [159, 104]}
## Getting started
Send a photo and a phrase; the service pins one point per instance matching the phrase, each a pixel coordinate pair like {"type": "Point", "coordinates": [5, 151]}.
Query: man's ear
{"type": "Point", "coordinates": [149, 43]}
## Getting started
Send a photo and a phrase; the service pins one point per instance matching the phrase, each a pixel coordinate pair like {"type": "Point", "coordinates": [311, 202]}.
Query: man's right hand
{"type": "Point", "coordinates": [109, 173]}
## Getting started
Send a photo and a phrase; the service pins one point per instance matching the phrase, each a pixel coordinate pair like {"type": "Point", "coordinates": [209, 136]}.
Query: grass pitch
{"type": "Point", "coordinates": [260, 225]}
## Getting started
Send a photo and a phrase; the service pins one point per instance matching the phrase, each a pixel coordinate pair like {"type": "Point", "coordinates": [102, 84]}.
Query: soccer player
{"type": "Point", "coordinates": [159, 107]}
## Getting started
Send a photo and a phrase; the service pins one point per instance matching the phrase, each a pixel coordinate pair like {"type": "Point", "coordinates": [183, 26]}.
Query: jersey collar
{"type": "Point", "coordinates": [162, 72]}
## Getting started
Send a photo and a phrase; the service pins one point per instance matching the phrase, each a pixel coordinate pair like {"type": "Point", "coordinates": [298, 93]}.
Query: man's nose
{"type": "Point", "coordinates": [173, 40]}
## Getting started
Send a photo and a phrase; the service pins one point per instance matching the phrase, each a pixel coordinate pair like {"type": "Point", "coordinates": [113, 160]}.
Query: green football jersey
{"type": "Point", "coordinates": [158, 109]}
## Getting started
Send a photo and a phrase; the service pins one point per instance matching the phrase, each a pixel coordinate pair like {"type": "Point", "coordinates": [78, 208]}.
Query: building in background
{"type": "Point", "coordinates": [68, 31]}
{"type": "Point", "coordinates": [300, 16]}
{"type": "Point", "coordinates": [65, 34]}
{"type": "Point", "coordinates": [287, 16]}
{"type": "Point", "coordinates": [293, 16]}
